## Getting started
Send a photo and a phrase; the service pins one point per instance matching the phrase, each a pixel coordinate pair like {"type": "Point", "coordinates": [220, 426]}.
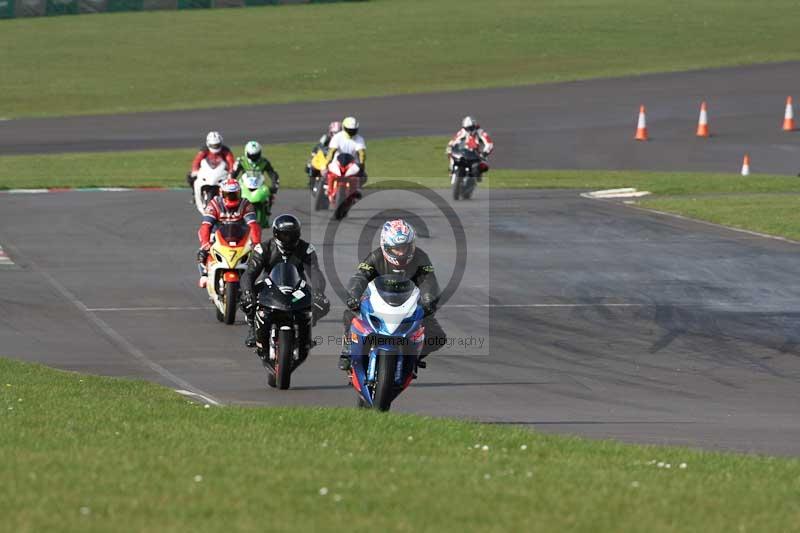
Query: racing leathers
{"type": "Point", "coordinates": [355, 146]}
{"type": "Point", "coordinates": [214, 159]}
{"type": "Point", "coordinates": [419, 270]}
{"type": "Point", "coordinates": [263, 208]}
{"type": "Point", "coordinates": [262, 166]}
{"type": "Point", "coordinates": [263, 258]}
{"type": "Point", "coordinates": [217, 213]}
{"type": "Point", "coordinates": [478, 140]}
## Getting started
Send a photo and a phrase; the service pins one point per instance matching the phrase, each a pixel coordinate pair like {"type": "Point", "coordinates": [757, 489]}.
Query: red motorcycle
{"type": "Point", "coordinates": [341, 187]}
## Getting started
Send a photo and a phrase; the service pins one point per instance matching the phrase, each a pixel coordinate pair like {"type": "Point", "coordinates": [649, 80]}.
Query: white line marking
{"type": "Point", "coordinates": [191, 394]}
{"type": "Point", "coordinates": [550, 305]}
{"type": "Point", "coordinates": [156, 309]}
{"type": "Point", "coordinates": [4, 259]}
{"type": "Point", "coordinates": [134, 309]}
{"type": "Point", "coordinates": [628, 192]}
{"type": "Point", "coordinates": [112, 335]}
{"type": "Point", "coordinates": [27, 191]}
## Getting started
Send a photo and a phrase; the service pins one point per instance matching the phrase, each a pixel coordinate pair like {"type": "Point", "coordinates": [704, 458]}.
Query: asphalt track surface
{"type": "Point", "coordinates": [596, 319]}
{"type": "Point", "coordinates": [583, 124]}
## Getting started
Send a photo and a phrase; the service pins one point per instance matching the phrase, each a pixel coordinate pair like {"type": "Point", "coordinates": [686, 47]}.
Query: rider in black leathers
{"type": "Point", "coordinates": [285, 245]}
{"type": "Point", "coordinates": [419, 270]}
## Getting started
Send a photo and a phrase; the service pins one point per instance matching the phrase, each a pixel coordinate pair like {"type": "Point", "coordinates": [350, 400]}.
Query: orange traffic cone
{"type": "Point", "coordinates": [746, 165]}
{"type": "Point", "coordinates": [641, 128]}
{"type": "Point", "coordinates": [702, 122]}
{"type": "Point", "coordinates": [788, 116]}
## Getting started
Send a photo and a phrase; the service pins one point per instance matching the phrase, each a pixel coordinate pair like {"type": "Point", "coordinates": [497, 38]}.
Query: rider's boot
{"type": "Point", "coordinates": [250, 340]}
{"type": "Point", "coordinates": [344, 357]}
{"type": "Point", "coordinates": [203, 281]}
{"type": "Point", "coordinates": [190, 180]}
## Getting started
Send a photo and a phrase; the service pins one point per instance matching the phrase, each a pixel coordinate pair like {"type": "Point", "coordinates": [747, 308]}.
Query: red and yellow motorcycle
{"type": "Point", "coordinates": [227, 261]}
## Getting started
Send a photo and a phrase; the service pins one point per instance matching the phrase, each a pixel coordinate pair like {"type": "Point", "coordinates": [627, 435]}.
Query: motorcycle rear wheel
{"type": "Point", "coordinates": [384, 388]}
{"type": "Point", "coordinates": [231, 297]}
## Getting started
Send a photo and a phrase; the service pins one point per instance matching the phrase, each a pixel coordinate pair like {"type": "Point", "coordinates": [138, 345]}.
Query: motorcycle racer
{"type": "Point", "coordinates": [215, 152]}
{"type": "Point", "coordinates": [253, 166]}
{"type": "Point", "coordinates": [324, 142]}
{"type": "Point", "coordinates": [285, 245]}
{"type": "Point", "coordinates": [348, 141]}
{"type": "Point", "coordinates": [254, 161]}
{"type": "Point", "coordinates": [476, 138]}
{"type": "Point", "coordinates": [227, 207]}
{"type": "Point", "coordinates": [398, 254]}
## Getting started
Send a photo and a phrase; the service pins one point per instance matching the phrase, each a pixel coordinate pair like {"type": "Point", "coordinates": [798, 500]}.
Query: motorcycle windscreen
{"type": "Point", "coordinates": [395, 290]}
{"type": "Point", "coordinates": [285, 275]}
{"type": "Point", "coordinates": [345, 159]}
{"type": "Point", "coordinates": [233, 232]}
{"type": "Point", "coordinates": [462, 151]}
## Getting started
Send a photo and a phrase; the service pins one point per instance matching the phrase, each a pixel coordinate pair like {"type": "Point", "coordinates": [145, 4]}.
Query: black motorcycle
{"type": "Point", "coordinates": [466, 171]}
{"type": "Point", "coordinates": [284, 316]}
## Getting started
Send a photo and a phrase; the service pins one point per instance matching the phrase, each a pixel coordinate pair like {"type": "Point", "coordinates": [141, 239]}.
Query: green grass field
{"type": "Point", "coordinates": [166, 60]}
{"type": "Point", "coordinates": [98, 454]}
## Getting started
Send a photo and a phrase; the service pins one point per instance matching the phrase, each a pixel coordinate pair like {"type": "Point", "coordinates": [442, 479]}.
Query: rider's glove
{"type": "Point", "coordinates": [322, 306]}
{"type": "Point", "coordinates": [247, 302]}
{"type": "Point", "coordinates": [353, 304]}
{"type": "Point", "coordinates": [429, 307]}
{"type": "Point", "coordinates": [202, 253]}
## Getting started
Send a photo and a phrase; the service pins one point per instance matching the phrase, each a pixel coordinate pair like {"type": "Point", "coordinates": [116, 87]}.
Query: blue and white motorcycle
{"type": "Point", "coordinates": [385, 341]}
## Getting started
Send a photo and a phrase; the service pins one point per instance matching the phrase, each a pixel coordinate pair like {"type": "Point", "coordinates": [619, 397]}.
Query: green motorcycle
{"type": "Point", "coordinates": [258, 193]}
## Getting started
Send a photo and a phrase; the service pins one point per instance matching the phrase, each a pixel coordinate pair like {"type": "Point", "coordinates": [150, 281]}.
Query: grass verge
{"type": "Point", "coordinates": [774, 214]}
{"type": "Point", "coordinates": [100, 454]}
{"type": "Point", "coordinates": [163, 60]}
{"type": "Point", "coordinates": [416, 159]}
{"type": "Point", "coordinates": [754, 202]}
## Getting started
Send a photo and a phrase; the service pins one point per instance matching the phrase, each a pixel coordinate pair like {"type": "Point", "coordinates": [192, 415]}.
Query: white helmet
{"type": "Point", "coordinates": [469, 123]}
{"type": "Point", "coordinates": [350, 126]}
{"type": "Point", "coordinates": [214, 142]}
{"type": "Point", "coordinates": [253, 151]}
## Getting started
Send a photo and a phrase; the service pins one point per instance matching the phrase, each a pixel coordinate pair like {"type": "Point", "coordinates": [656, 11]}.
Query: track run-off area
{"type": "Point", "coordinates": [570, 315]}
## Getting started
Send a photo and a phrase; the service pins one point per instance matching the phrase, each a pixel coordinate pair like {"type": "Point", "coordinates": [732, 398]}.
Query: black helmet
{"type": "Point", "coordinates": [286, 230]}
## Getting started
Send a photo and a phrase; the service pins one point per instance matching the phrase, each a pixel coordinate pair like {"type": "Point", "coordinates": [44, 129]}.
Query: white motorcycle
{"type": "Point", "coordinates": [206, 186]}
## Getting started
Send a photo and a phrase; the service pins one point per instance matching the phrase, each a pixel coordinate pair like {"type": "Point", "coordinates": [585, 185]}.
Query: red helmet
{"type": "Point", "coordinates": [231, 193]}
{"type": "Point", "coordinates": [334, 128]}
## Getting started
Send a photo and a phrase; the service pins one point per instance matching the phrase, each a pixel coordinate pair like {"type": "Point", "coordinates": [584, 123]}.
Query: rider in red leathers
{"type": "Point", "coordinates": [476, 138]}
{"type": "Point", "coordinates": [216, 153]}
{"type": "Point", "coordinates": [228, 207]}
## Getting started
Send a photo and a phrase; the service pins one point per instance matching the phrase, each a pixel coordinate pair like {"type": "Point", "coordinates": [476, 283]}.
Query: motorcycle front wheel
{"type": "Point", "coordinates": [341, 203]}
{"type": "Point", "coordinates": [384, 388]}
{"type": "Point", "coordinates": [456, 187]}
{"type": "Point", "coordinates": [283, 366]}
{"type": "Point", "coordinates": [231, 297]}
{"type": "Point", "coordinates": [320, 198]}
